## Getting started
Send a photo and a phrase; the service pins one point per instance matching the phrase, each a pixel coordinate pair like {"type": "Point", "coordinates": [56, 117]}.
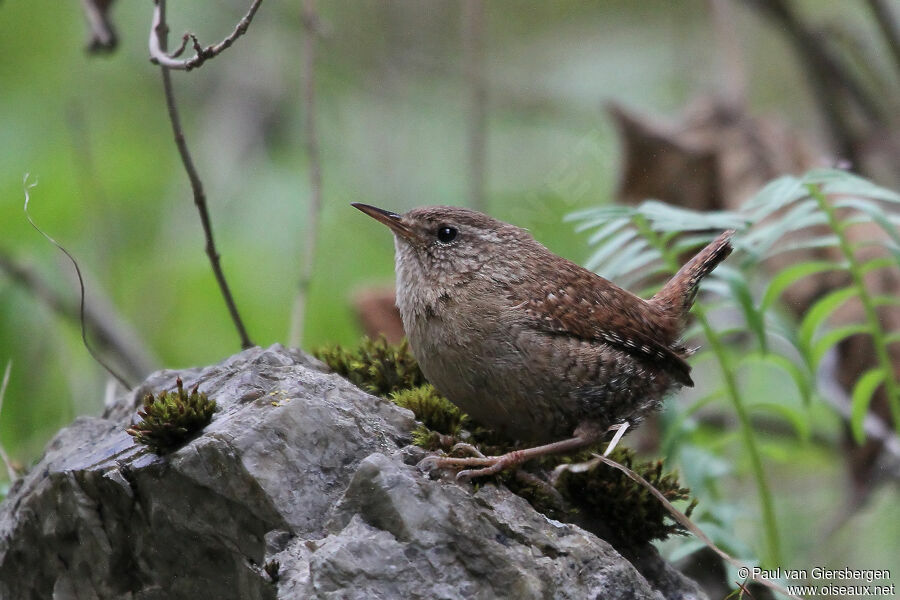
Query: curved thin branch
{"type": "Point", "coordinates": [159, 29]}
{"type": "Point", "coordinates": [81, 311]}
{"type": "Point", "coordinates": [112, 335]}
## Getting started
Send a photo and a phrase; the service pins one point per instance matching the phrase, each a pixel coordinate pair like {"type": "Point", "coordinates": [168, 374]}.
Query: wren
{"type": "Point", "coordinates": [530, 344]}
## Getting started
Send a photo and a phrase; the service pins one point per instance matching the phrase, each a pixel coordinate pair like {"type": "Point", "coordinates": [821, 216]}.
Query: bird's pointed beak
{"type": "Point", "coordinates": [392, 220]}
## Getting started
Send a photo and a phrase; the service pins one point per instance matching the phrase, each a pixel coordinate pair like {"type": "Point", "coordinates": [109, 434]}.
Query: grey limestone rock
{"type": "Point", "coordinates": [301, 469]}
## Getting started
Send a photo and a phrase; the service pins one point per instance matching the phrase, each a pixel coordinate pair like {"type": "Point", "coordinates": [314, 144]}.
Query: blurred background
{"type": "Point", "coordinates": [528, 110]}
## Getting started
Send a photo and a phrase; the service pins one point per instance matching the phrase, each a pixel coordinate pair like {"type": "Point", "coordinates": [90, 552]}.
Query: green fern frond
{"type": "Point", "coordinates": [634, 245]}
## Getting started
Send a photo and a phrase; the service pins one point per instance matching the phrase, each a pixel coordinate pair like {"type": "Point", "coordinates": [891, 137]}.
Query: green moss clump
{"type": "Point", "coordinates": [375, 366]}
{"type": "Point", "coordinates": [273, 570]}
{"type": "Point", "coordinates": [171, 418]}
{"type": "Point", "coordinates": [628, 510]}
{"type": "Point", "coordinates": [434, 411]}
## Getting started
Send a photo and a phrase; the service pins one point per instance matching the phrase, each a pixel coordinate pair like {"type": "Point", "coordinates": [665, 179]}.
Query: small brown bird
{"type": "Point", "coordinates": [529, 343]}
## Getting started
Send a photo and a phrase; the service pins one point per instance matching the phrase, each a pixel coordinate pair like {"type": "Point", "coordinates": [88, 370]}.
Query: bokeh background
{"type": "Point", "coordinates": [395, 120]}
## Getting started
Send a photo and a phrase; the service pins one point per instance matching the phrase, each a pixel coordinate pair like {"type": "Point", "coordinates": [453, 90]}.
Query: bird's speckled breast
{"type": "Point", "coordinates": [527, 385]}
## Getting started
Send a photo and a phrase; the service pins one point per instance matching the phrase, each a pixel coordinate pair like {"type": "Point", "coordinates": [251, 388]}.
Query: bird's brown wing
{"type": "Point", "coordinates": [576, 302]}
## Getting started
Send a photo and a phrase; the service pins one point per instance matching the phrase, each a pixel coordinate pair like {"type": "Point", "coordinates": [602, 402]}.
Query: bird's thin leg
{"type": "Point", "coordinates": [620, 430]}
{"type": "Point", "coordinates": [491, 465]}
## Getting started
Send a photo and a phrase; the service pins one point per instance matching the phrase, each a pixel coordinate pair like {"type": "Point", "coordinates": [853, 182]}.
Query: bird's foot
{"type": "Point", "coordinates": [487, 465]}
{"type": "Point", "coordinates": [479, 465]}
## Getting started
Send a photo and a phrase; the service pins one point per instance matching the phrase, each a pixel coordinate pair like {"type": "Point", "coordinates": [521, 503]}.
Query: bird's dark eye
{"type": "Point", "coordinates": [446, 234]}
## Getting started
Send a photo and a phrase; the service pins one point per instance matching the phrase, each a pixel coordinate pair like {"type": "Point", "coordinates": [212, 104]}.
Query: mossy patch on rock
{"type": "Point", "coordinates": [434, 411]}
{"type": "Point", "coordinates": [627, 511]}
{"type": "Point", "coordinates": [171, 418]}
{"type": "Point", "coordinates": [375, 365]}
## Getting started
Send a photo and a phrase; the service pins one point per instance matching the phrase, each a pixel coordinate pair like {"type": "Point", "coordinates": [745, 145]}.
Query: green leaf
{"type": "Point", "coordinates": [892, 338]}
{"type": "Point", "coordinates": [774, 196]}
{"type": "Point", "coordinates": [790, 275]}
{"type": "Point", "coordinates": [599, 214]}
{"type": "Point", "coordinates": [675, 429]}
{"type": "Point", "coordinates": [812, 243]}
{"type": "Point", "coordinates": [875, 212]}
{"type": "Point", "coordinates": [639, 271]}
{"type": "Point", "coordinates": [886, 300]}
{"type": "Point", "coordinates": [874, 264]}
{"type": "Point", "coordinates": [862, 395]}
{"type": "Point", "coordinates": [741, 292]}
{"type": "Point", "coordinates": [623, 262]}
{"type": "Point", "coordinates": [830, 338]}
{"type": "Point", "coordinates": [610, 247]}
{"type": "Point", "coordinates": [837, 182]}
{"type": "Point", "coordinates": [803, 380]}
{"type": "Point", "coordinates": [606, 230]}
{"type": "Point", "coordinates": [690, 243]}
{"type": "Point", "coordinates": [819, 313]}
{"type": "Point", "coordinates": [766, 234]}
{"type": "Point", "coordinates": [665, 217]}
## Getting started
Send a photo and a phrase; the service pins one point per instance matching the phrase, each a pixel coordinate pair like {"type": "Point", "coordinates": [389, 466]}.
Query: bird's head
{"type": "Point", "coordinates": [448, 246]}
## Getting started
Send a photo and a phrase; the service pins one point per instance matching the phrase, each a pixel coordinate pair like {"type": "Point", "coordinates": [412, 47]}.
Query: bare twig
{"type": "Point", "coordinates": [732, 71]}
{"type": "Point", "coordinates": [310, 23]}
{"type": "Point", "coordinates": [109, 331]}
{"type": "Point", "coordinates": [159, 30]}
{"type": "Point", "coordinates": [473, 57]}
{"type": "Point", "coordinates": [828, 76]}
{"type": "Point", "coordinates": [103, 34]}
{"type": "Point", "coordinates": [888, 25]}
{"type": "Point", "coordinates": [81, 312]}
{"type": "Point", "coordinates": [10, 471]}
{"type": "Point", "coordinates": [679, 516]}
{"type": "Point", "coordinates": [160, 33]}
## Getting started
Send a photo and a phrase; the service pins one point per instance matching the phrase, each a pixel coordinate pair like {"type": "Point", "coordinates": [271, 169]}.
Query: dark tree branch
{"type": "Point", "coordinates": [888, 25]}
{"type": "Point", "coordinates": [311, 24]}
{"type": "Point", "coordinates": [473, 58]}
{"type": "Point", "coordinates": [160, 32]}
{"type": "Point", "coordinates": [828, 76]}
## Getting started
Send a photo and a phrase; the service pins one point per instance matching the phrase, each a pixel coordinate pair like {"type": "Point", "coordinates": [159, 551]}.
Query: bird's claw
{"type": "Point", "coordinates": [464, 447]}
{"type": "Point", "coordinates": [472, 466]}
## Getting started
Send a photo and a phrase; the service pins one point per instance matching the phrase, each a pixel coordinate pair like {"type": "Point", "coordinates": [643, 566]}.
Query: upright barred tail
{"type": "Point", "coordinates": [677, 296]}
